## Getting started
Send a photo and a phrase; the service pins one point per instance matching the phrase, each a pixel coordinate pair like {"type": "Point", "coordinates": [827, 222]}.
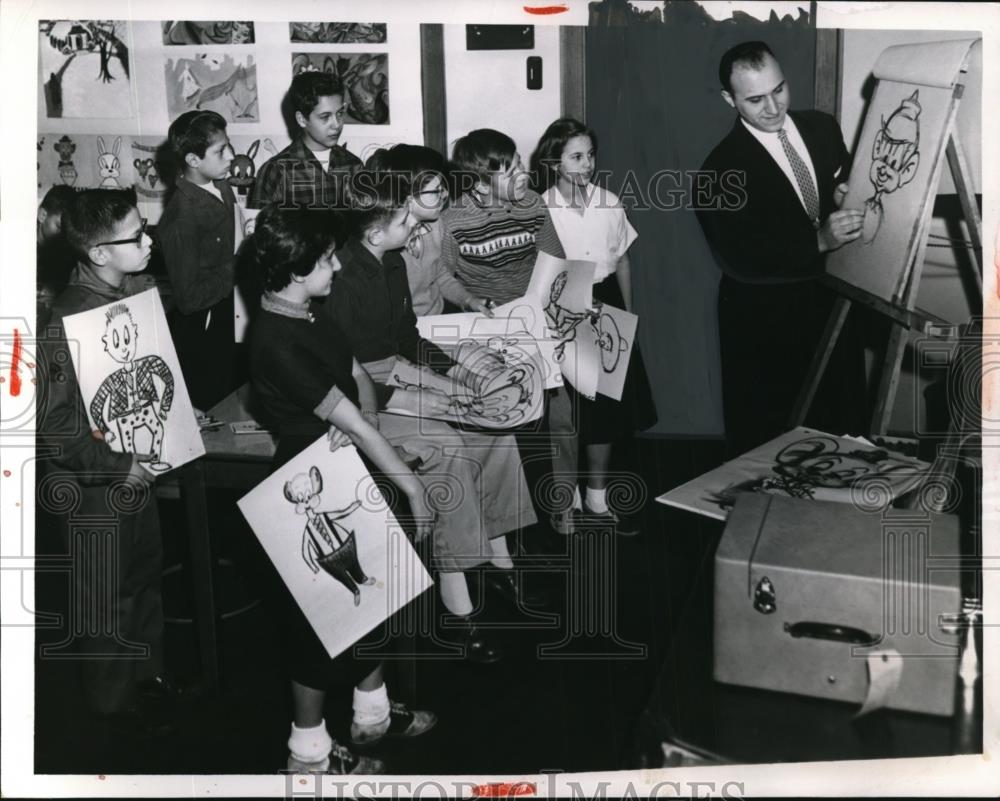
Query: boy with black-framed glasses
{"type": "Point", "coordinates": [200, 231]}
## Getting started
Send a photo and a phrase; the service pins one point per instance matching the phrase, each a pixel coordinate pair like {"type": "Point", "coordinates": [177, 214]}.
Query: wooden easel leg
{"type": "Point", "coordinates": [889, 379]}
{"type": "Point", "coordinates": [966, 195]}
{"type": "Point", "coordinates": [834, 324]}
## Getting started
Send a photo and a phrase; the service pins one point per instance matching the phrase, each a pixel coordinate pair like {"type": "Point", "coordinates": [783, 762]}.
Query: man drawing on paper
{"type": "Point", "coordinates": [129, 394]}
{"type": "Point", "coordinates": [771, 245]}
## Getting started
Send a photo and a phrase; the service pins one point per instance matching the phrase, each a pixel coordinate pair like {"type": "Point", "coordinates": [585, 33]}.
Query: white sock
{"type": "Point", "coordinates": [371, 706]}
{"type": "Point", "coordinates": [455, 592]}
{"type": "Point", "coordinates": [501, 556]}
{"type": "Point", "coordinates": [311, 744]}
{"type": "Point", "coordinates": [577, 500]}
{"type": "Point", "coordinates": [597, 500]}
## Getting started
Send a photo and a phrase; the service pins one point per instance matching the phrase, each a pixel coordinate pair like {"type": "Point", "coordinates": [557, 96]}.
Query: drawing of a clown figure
{"type": "Point", "coordinates": [895, 157]}
{"type": "Point", "coordinates": [325, 542]}
{"type": "Point", "coordinates": [129, 399]}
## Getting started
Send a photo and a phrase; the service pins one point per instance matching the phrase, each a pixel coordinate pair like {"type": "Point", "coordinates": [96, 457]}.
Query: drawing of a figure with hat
{"type": "Point", "coordinates": [895, 157]}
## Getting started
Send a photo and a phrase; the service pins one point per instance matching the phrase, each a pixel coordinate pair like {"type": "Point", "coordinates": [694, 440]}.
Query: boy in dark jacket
{"type": "Point", "coordinates": [200, 232]}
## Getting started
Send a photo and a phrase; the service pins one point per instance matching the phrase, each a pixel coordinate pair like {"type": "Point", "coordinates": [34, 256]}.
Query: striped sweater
{"type": "Point", "coordinates": [491, 252]}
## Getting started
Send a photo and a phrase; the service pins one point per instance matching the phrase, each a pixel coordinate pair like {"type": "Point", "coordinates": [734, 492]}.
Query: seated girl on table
{"type": "Point", "coordinates": [306, 383]}
{"type": "Point", "coordinates": [592, 226]}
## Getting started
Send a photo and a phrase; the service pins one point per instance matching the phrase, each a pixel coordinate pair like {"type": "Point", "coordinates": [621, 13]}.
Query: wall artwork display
{"type": "Point", "coordinates": [365, 77]}
{"type": "Point", "coordinates": [131, 381]}
{"type": "Point", "coordinates": [84, 68]}
{"type": "Point", "coordinates": [337, 32]}
{"type": "Point", "coordinates": [222, 82]}
{"type": "Point", "coordinates": [803, 463]}
{"type": "Point", "coordinates": [185, 32]}
{"type": "Point", "coordinates": [335, 543]}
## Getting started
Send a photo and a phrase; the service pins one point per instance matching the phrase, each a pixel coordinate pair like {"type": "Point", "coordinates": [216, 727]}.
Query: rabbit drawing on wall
{"type": "Point", "coordinates": [108, 163]}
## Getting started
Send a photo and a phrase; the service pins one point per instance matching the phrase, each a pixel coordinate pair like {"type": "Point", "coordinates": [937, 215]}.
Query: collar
{"type": "Point", "coordinates": [85, 277]}
{"type": "Point", "coordinates": [286, 308]}
{"type": "Point", "coordinates": [197, 194]}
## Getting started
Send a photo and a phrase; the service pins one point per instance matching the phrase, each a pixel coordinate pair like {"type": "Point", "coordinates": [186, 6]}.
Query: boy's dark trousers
{"type": "Point", "coordinates": [114, 621]}
{"type": "Point", "coordinates": [207, 353]}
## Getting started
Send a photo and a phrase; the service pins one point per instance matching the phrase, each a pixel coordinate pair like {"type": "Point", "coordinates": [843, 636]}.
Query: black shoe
{"type": "Point", "coordinates": [160, 688]}
{"type": "Point", "coordinates": [505, 582]}
{"type": "Point", "coordinates": [477, 648]}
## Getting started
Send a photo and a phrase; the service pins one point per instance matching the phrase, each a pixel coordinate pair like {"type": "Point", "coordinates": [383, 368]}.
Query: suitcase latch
{"type": "Point", "coordinates": [763, 597]}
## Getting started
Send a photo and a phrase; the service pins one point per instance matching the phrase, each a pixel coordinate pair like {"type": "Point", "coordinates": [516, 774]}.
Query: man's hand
{"type": "Point", "coordinates": [839, 228]}
{"type": "Point", "coordinates": [839, 193]}
{"type": "Point", "coordinates": [337, 438]}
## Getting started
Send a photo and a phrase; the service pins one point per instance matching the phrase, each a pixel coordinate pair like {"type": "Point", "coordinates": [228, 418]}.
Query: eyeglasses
{"type": "Point", "coordinates": [135, 240]}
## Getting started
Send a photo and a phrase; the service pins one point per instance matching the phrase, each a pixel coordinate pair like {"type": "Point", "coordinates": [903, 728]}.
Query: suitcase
{"type": "Point", "coordinates": [806, 591]}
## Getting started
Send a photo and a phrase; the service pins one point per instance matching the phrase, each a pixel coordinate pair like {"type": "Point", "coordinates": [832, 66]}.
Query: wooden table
{"type": "Point", "coordinates": [231, 461]}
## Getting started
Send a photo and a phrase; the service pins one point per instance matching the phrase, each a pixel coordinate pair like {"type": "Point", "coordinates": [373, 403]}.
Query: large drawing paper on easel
{"type": "Point", "coordinates": [131, 381]}
{"type": "Point", "coordinates": [335, 543]}
{"type": "Point", "coordinates": [897, 166]}
{"type": "Point", "coordinates": [803, 463]}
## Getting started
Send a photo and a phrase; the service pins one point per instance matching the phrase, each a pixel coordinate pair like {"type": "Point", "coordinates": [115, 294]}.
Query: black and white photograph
{"type": "Point", "coordinates": [296, 500]}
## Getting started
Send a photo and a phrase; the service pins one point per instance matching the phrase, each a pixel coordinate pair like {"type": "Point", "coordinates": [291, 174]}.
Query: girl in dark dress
{"type": "Point", "coordinates": [306, 383]}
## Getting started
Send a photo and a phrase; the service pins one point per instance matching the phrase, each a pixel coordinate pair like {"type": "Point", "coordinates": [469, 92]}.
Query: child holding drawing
{"type": "Point", "coordinates": [307, 382]}
{"type": "Point", "coordinates": [592, 226]}
{"type": "Point", "coordinates": [372, 305]}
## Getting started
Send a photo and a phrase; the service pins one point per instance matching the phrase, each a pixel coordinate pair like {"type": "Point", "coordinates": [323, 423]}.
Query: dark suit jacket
{"type": "Point", "coordinates": [769, 238]}
{"type": "Point", "coordinates": [197, 234]}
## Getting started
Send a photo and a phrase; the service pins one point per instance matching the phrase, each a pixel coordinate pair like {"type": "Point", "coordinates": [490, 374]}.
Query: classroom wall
{"type": "Point", "coordinates": [148, 117]}
{"type": "Point", "coordinates": [488, 89]}
{"type": "Point", "coordinates": [943, 291]}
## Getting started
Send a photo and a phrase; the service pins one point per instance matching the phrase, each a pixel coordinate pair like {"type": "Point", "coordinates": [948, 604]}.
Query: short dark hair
{"type": "Point", "coordinates": [289, 242]}
{"type": "Point", "coordinates": [58, 199]}
{"type": "Point", "coordinates": [483, 152]}
{"type": "Point", "coordinates": [308, 87]}
{"type": "Point", "coordinates": [94, 215]}
{"type": "Point", "coordinates": [550, 149]}
{"type": "Point", "coordinates": [750, 54]}
{"type": "Point", "coordinates": [372, 197]}
{"type": "Point", "coordinates": [418, 163]}
{"type": "Point", "coordinates": [193, 132]}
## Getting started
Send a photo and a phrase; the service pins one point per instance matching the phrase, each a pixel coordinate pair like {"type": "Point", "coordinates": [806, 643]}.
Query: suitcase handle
{"type": "Point", "coordinates": [830, 631]}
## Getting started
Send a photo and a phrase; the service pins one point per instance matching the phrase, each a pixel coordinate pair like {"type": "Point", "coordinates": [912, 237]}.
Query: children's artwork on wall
{"type": "Point", "coordinates": [84, 68]}
{"type": "Point", "coordinates": [222, 82]}
{"type": "Point", "coordinates": [804, 463]}
{"type": "Point", "coordinates": [183, 32]}
{"type": "Point", "coordinates": [509, 397]}
{"type": "Point", "coordinates": [514, 328]}
{"type": "Point", "coordinates": [149, 184]}
{"type": "Point", "coordinates": [251, 153]}
{"type": "Point", "coordinates": [335, 543]}
{"type": "Point", "coordinates": [365, 77]}
{"type": "Point", "coordinates": [131, 381]}
{"type": "Point", "coordinates": [337, 32]}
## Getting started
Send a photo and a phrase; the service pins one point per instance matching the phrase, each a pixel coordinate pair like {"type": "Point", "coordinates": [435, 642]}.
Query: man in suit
{"type": "Point", "coordinates": [774, 213]}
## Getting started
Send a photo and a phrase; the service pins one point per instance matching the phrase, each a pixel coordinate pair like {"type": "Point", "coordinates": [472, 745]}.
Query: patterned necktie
{"type": "Point", "coordinates": [802, 177]}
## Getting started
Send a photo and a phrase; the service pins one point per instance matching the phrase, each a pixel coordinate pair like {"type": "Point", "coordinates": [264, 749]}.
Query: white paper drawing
{"type": "Point", "coordinates": [131, 381]}
{"type": "Point", "coordinates": [335, 543]}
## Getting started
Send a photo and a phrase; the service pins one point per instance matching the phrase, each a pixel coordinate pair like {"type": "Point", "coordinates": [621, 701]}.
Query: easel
{"type": "Point", "coordinates": [902, 310]}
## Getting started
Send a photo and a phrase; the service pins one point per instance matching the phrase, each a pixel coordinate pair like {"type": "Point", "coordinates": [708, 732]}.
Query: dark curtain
{"type": "Point", "coordinates": [652, 96]}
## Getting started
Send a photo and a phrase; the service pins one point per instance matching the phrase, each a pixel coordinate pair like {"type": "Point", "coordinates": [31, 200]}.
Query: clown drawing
{"type": "Point", "coordinates": [894, 160]}
{"type": "Point", "coordinates": [129, 399]}
{"type": "Point", "coordinates": [325, 542]}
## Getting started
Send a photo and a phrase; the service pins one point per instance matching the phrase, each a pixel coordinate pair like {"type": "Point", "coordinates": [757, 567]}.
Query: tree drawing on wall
{"type": "Point", "coordinates": [78, 38]}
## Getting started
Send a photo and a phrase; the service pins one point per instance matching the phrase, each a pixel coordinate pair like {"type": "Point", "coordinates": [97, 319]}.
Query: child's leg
{"type": "Point", "coordinates": [598, 460]}
{"type": "Point", "coordinates": [455, 592]}
{"type": "Point", "coordinates": [501, 556]}
{"type": "Point", "coordinates": [309, 743]}
{"type": "Point", "coordinates": [565, 492]}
